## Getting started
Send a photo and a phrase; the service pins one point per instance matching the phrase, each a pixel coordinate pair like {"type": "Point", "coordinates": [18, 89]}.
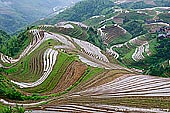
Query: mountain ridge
{"type": "Point", "coordinates": [24, 12]}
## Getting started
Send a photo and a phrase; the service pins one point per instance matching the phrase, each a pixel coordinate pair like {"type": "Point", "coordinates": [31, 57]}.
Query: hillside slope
{"type": "Point", "coordinates": [120, 23]}
{"type": "Point", "coordinates": [17, 14]}
{"type": "Point", "coordinates": [65, 70]}
{"type": "Point", "coordinates": [105, 63]}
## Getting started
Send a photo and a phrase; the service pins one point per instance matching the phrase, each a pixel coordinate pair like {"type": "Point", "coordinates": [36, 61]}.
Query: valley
{"type": "Point", "coordinates": [20, 13]}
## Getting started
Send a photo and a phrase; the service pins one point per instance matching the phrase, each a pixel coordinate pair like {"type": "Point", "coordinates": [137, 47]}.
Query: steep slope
{"type": "Point", "coordinates": [65, 67]}
{"type": "Point", "coordinates": [80, 11]}
{"type": "Point", "coordinates": [98, 8]}
{"type": "Point", "coordinates": [65, 70]}
{"type": "Point", "coordinates": [133, 37]}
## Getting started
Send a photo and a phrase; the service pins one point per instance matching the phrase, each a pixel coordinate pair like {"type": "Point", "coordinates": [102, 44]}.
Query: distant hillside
{"type": "Point", "coordinates": [161, 3]}
{"type": "Point", "coordinates": [81, 11]}
{"type": "Point", "coordinates": [15, 14]}
{"type": "Point", "coordinates": [4, 37]}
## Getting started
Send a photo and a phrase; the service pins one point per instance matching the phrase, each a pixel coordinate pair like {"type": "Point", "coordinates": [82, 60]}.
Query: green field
{"type": "Point", "coordinates": [63, 61]}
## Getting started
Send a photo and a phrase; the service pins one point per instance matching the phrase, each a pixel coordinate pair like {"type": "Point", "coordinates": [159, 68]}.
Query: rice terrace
{"type": "Point", "coordinates": [93, 56]}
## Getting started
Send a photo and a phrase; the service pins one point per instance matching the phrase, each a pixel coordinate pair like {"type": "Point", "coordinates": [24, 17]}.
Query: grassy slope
{"type": "Point", "coordinates": [60, 67]}
{"type": "Point", "coordinates": [21, 71]}
{"type": "Point", "coordinates": [121, 39]}
{"type": "Point", "coordinates": [92, 73]}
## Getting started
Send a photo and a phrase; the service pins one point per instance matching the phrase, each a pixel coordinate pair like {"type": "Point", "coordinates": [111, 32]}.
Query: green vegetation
{"type": "Point", "coordinates": [17, 14]}
{"type": "Point", "coordinates": [25, 70]}
{"type": "Point", "coordinates": [121, 39]}
{"type": "Point", "coordinates": [81, 11]}
{"type": "Point", "coordinates": [127, 59]}
{"type": "Point", "coordinates": [92, 73]}
{"type": "Point", "coordinates": [11, 46]}
{"type": "Point", "coordinates": [135, 28]}
{"type": "Point", "coordinates": [152, 46]}
{"type": "Point", "coordinates": [135, 5]}
{"type": "Point", "coordinates": [133, 15]}
{"type": "Point", "coordinates": [16, 109]}
{"type": "Point", "coordinates": [157, 64]}
{"type": "Point", "coordinates": [157, 61]}
{"type": "Point", "coordinates": [94, 21]}
{"type": "Point", "coordinates": [165, 17]}
{"type": "Point", "coordinates": [4, 37]}
{"type": "Point", "coordinates": [94, 38]}
{"type": "Point", "coordinates": [12, 21]}
{"type": "Point", "coordinates": [60, 67]}
{"type": "Point", "coordinates": [8, 90]}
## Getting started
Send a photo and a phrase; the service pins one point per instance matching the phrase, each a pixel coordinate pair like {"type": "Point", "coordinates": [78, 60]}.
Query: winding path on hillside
{"type": "Point", "coordinates": [113, 53]}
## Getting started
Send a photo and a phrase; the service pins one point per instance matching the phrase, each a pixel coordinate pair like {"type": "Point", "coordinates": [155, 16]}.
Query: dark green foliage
{"type": "Point", "coordinates": [163, 54]}
{"type": "Point", "coordinates": [94, 38]}
{"type": "Point", "coordinates": [135, 5]}
{"type": "Point", "coordinates": [162, 3]}
{"type": "Point", "coordinates": [11, 46]}
{"type": "Point", "coordinates": [81, 11]}
{"type": "Point", "coordinates": [158, 70]}
{"type": "Point", "coordinates": [7, 90]}
{"type": "Point", "coordinates": [165, 17]}
{"type": "Point", "coordinates": [135, 28]}
{"type": "Point", "coordinates": [164, 49]}
{"type": "Point", "coordinates": [4, 37]}
{"type": "Point", "coordinates": [155, 64]}
{"type": "Point", "coordinates": [16, 109]}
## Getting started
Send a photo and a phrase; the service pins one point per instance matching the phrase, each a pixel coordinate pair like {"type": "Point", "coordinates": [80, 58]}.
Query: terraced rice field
{"type": "Point", "coordinates": [77, 76]}
{"type": "Point", "coordinates": [91, 108]}
{"type": "Point", "coordinates": [46, 60]}
{"type": "Point", "coordinates": [49, 57]}
{"type": "Point", "coordinates": [91, 50]}
{"type": "Point", "coordinates": [147, 94]}
{"type": "Point", "coordinates": [144, 47]}
{"type": "Point", "coordinates": [110, 33]}
{"type": "Point", "coordinates": [138, 44]}
{"type": "Point", "coordinates": [59, 69]}
{"type": "Point", "coordinates": [121, 87]}
{"type": "Point", "coordinates": [68, 28]}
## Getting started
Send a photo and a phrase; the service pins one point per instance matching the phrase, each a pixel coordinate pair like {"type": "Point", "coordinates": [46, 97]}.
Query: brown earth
{"type": "Point", "coordinates": [73, 73]}
{"type": "Point", "coordinates": [112, 32]}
